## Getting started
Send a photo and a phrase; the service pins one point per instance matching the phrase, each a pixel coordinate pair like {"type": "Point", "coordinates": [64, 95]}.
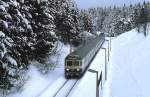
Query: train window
{"type": "Point", "coordinates": [73, 62]}
{"type": "Point", "coordinates": [69, 63]}
{"type": "Point", "coordinates": [76, 63]}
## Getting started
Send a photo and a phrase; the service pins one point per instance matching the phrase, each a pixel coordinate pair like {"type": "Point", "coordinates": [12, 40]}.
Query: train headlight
{"type": "Point", "coordinates": [67, 69]}
{"type": "Point", "coordinates": [78, 69]}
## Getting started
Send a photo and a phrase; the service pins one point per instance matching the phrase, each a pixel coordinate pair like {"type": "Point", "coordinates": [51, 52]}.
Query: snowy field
{"type": "Point", "coordinates": [129, 66]}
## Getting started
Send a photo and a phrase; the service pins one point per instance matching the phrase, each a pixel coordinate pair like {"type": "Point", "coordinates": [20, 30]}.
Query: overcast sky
{"type": "Point", "coordinates": [84, 4]}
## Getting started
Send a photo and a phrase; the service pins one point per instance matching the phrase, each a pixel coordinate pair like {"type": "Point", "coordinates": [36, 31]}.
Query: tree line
{"type": "Point", "coordinates": [116, 20]}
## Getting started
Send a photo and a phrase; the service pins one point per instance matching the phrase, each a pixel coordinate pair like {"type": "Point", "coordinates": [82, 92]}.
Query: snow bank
{"type": "Point", "coordinates": [129, 66]}
{"type": "Point", "coordinates": [86, 87]}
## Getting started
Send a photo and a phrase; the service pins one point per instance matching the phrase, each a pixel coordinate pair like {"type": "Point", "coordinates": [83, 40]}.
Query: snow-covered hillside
{"type": "Point", "coordinates": [129, 66]}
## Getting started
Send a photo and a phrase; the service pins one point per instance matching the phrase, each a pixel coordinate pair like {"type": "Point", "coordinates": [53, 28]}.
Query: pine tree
{"type": "Point", "coordinates": [66, 20]}
{"type": "Point", "coordinates": [43, 27]}
{"type": "Point", "coordinates": [142, 18]}
{"type": "Point", "coordinates": [28, 28]}
{"type": "Point", "coordinates": [86, 20]}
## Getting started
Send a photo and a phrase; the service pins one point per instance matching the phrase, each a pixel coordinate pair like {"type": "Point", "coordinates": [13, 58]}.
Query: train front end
{"type": "Point", "coordinates": [73, 66]}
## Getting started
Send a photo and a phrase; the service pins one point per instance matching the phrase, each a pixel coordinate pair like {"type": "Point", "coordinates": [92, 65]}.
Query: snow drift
{"type": "Point", "coordinates": [129, 66]}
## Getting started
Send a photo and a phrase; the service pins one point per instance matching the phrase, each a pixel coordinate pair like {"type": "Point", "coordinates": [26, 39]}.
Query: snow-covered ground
{"type": "Point", "coordinates": [39, 83]}
{"type": "Point", "coordinates": [128, 71]}
{"type": "Point", "coordinates": [129, 66]}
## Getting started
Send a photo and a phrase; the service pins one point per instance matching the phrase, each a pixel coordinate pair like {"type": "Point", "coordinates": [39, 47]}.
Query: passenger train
{"type": "Point", "coordinates": [78, 61]}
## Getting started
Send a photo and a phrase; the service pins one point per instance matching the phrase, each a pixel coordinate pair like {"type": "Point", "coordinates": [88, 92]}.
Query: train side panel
{"type": "Point", "coordinates": [87, 60]}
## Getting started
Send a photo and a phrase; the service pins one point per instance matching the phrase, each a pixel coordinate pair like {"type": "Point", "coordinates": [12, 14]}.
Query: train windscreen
{"type": "Point", "coordinates": [72, 63]}
{"type": "Point", "coordinates": [69, 63]}
{"type": "Point", "coordinates": [76, 63]}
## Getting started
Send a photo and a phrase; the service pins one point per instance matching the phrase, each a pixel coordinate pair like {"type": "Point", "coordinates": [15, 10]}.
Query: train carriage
{"type": "Point", "coordinates": [78, 61]}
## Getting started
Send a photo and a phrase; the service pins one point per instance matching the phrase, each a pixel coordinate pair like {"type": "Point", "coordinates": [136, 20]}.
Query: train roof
{"type": "Point", "coordinates": [83, 50]}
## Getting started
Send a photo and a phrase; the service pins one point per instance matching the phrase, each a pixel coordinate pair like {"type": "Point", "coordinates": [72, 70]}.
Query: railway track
{"type": "Point", "coordinates": [60, 88]}
{"type": "Point", "coordinates": [66, 88]}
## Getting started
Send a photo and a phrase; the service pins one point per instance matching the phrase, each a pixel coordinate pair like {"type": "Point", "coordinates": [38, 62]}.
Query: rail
{"type": "Point", "coordinates": [60, 88]}
{"type": "Point", "coordinates": [63, 87]}
{"type": "Point", "coordinates": [72, 88]}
